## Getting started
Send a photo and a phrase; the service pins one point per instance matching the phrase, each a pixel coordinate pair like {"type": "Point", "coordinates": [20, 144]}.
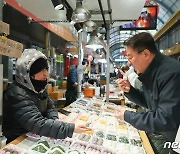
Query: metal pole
{"type": "Point", "coordinates": [107, 72]}
{"type": "Point", "coordinates": [80, 59]}
{"type": "Point", "coordinates": [1, 18]}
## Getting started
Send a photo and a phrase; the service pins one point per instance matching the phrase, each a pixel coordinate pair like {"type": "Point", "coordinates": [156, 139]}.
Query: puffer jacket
{"type": "Point", "coordinates": [26, 110]}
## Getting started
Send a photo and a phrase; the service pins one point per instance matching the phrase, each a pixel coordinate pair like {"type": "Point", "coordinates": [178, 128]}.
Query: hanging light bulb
{"type": "Point", "coordinates": [80, 14]}
{"type": "Point", "coordinates": [58, 4]}
{"type": "Point", "coordinates": [94, 43]}
{"type": "Point", "coordinates": [90, 26]}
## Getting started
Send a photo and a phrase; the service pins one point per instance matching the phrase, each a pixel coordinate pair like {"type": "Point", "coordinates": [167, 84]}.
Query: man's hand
{"type": "Point", "coordinates": [119, 114]}
{"type": "Point", "coordinates": [80, 127]}
{"type": "Point", "coordinates": [75, 84]}
{"type": "Point", "coordinates": [123, 84]}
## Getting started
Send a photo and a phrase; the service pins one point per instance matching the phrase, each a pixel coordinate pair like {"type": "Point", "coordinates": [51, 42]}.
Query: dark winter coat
{"type": "Point", "coordinates": [26, 110]}
{"type": "Point", "coordinates": [71, 92]}
{"type": "Point", "coordinates": [161, 95]}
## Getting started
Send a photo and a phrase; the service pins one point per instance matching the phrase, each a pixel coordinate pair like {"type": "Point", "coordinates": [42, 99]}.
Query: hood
{"type": "Point", "coordinates": [23, 66]}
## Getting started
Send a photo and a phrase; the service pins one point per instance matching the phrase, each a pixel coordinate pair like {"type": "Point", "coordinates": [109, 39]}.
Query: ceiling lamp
{"type": "Point", "coordinates": [80, 14]}
{"type": "Point", "coordinates": [58, 4]}
{"type": "Point", "coordinates": [90, 26]}
{"type": "Point", "coordinates": [94, 43]}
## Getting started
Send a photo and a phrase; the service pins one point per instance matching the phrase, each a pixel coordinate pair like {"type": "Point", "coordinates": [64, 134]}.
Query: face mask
{"type": "Point", "coordinates": [39, 84]}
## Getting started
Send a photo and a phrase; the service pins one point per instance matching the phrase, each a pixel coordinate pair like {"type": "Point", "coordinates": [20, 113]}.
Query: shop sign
{"type": "Point", "coordinates": [10, 48]}
{"type": "Point", "coordinates": [4, 28]}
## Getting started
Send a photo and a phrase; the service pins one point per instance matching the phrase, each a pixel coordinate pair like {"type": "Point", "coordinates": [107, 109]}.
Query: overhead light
{"type": "Point", "coordinates": [58, 4]}
{"type": "Point", "coordinates": [80, 14]}
{"type": "Point", "coordinates": [70, 45]}
{"type": "Point", "coordinates": [94, 43]}
{"type": "Point", "coordinates": [90, 26]}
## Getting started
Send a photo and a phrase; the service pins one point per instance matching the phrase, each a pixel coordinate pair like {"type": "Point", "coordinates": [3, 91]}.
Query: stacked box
{"type": "Point", "coordinates": [49, 88]}
{"type": "Point", "coordinates": [56, 95]}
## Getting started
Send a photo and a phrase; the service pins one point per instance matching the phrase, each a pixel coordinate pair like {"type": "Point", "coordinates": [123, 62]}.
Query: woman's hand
{"type": "Point", "coordinates": [80, 127]}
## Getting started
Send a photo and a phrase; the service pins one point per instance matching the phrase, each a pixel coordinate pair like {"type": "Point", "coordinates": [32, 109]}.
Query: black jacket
{"type": "Point", "coordinates": [71, 79]}
{"type": "Point", "coordinates": [26, 111]}
{"type": "Point", "coordinates": [161, 95]}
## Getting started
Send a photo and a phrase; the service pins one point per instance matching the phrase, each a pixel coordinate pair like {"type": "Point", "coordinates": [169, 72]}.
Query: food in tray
{"type": "Point", "coordinates": [136, 142]}
{"type": "Point", "coordinates": [55, 151]}
{"type": "Point", "coordinates": [122, 126]}
{"type": "Point", "coordinates": [89, 132]}
{"type": "Point", "coordinates": [81, 102]}
{"type": "Point", "coordinates": [111, 106]}
{"type": "Point", "coordinates": [41, 148]}
{"type": "Point", "coordinates": [58, 147]}
{"type": "Point", "coordinates": [100, 134]}
{"type": "Point", "coordinates": [65, 142]}
{"type": "Point", "coordinates": [96, 108]}
{"type": "Point", "coordinates": [108, 152]}
{"type": "Point", "coordinates": [109, 110]}
{"type": "Point", "coordinates": [97, 104]}
{"type": "Point", "coordinates": [78, 146]}
{"type": "Point", "coordinates": [84, 137]}
{"type": "Point", "coordinates": [123, 139]}
{"type": "Point", "coordinates": [11, 149]}
{"type": "Point", "coordinates": [45, 143]}
{"type": "Point", "coordinates": [93, 149]}
{"type": "Point", "coordinates": [111, 137]}
{"type": "Point", "coordinates": [97, 141]}
{"type": "Point", "coordinates": [83, 118]}
{"type": "Point", "coordinates": [103, 122]}
{"type": "Point", "coordinates": [33, 136]}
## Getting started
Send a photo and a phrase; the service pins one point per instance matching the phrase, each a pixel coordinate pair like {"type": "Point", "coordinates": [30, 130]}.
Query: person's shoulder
{"type": "Point", "coordinates": [15, 90]}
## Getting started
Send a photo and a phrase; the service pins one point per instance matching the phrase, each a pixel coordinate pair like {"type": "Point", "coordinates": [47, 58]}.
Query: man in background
{"type": "Point", "coordinates": [72, 83]}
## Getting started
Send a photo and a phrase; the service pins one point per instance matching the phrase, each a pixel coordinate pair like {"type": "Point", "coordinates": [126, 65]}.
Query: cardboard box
{"type": "Point", "coordinates": [49, 88]}
{"type": "Point", "coordinates": [55, 88]}
{"type": "Point", "coordinates": [55, 95]}
{"type": "Point", "coordinates": [89, 92]}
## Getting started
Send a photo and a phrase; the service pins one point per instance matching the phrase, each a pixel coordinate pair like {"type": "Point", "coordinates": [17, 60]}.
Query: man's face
{"type": "Point", "coordinates": [138, 60]}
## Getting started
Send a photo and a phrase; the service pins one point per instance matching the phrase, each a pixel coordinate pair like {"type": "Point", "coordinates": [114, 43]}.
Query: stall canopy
{"type": "Point", "coordinates": [103, 12]}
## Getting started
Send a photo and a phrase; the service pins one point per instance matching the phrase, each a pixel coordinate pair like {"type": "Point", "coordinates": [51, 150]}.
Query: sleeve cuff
{"type": "Point", "coordinates": [71, 129]}
{"type": "Point", "coordinates": [127, 116]}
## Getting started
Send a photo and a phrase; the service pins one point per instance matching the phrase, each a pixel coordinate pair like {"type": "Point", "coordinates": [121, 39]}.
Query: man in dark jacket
{"type": "Point", "coordinates": [160, 76]}
{"type": "Point", "coordinates": [72, 79]}
{"type": "Point", "coordinates": [26, 105]}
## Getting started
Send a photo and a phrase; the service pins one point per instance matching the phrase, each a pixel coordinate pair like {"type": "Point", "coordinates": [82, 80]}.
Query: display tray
{"type": "Point", "coordinates": [107, 135]}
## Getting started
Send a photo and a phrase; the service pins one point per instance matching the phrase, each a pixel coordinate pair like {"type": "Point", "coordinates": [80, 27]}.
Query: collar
{"type": "Point", "coordinates": [149, 73]}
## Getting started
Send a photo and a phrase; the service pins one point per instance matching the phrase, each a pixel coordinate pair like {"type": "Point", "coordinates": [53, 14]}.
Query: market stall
{"type": "Point", "coordinates": [108, 135]}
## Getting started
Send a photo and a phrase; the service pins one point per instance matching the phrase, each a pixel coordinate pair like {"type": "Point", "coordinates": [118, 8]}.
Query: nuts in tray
{"type": "Point", "coordinates": [123, 139]}
{"type": "Point", "coordinates": [84, 137]}
{"type": "Point", "coordinates": [136, 142]}
{"type": "Point", "coordinates": [78, 145]}
{"type": "Point", "coordinates": [111, 137]}
{"type": "Point", "coordinates": [93, 149]}
{"type": "Point", "coordinates": [97, 141]}
{"type": "Point", "coordinates": [100, 134]}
